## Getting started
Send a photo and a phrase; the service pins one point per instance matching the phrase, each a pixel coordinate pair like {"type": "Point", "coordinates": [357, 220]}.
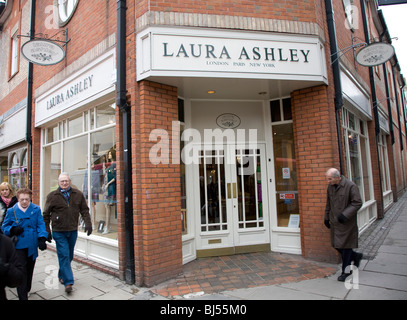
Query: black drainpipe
{"type": "Point", "coordinates": [375, 108]}
{"type": "Point", "coordinates": [121, 102]}
{"type": "Point", "coordinates": [336, 73]}
{"type": "Point", "coordinates": [28, 135]}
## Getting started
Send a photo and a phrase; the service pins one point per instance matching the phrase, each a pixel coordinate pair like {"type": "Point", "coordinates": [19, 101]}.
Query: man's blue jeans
{"type": "Point", "coordinates": [65, 242]}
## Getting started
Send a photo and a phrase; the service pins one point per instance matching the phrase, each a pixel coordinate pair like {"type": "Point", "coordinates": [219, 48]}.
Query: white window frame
{"type": "Point", "coordinates": [14, 55]}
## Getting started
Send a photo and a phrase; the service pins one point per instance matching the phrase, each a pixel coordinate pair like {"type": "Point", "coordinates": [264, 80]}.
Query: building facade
{"type": "Point", "coordinates": [198, 130]}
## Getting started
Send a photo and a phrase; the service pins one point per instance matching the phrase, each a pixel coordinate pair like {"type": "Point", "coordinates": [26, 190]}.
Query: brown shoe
{"type": "Point", "coordinates": [68, 288]}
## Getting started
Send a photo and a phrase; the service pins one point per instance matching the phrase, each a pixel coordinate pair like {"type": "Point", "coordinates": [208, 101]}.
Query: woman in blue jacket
{"type": "Point", "coordinates": [25, 221]}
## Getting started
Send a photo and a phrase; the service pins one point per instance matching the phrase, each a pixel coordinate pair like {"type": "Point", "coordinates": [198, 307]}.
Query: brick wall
{"type": "Point", "coordinates": [157, 193]}
{"type": "Point", "coordinates": [284, 9]}
{"type": "Point", "coordinates": [13, 89]}
{"type": "Point", "coordinates": [316, 151]}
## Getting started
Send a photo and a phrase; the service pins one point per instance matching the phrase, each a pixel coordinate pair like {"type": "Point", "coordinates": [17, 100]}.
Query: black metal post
{"type": "Point", "coordinates": [121, 102]}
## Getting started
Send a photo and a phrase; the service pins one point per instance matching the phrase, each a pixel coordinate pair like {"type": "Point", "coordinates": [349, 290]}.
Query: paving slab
{"type": "Point", "coordinates": [275, 292]}
{"type": "Point", "coordinates": [375, 293]}
{"type": "Point", "coordinates": [388, 263]}
{"type": "Point", "coordinates": [328, 287]}
{"type": "Point", "coordinates": [387, 281]}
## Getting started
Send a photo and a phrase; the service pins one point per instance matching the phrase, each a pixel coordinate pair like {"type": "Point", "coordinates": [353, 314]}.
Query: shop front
{"type": "Point", "coordinates": [238, 162]}
{"type": "Point", "coordinates": [13, 149]}
{"type": "Point", "coordinates": [77, 118]}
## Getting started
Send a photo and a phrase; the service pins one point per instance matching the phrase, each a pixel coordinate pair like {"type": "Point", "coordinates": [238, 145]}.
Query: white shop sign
{"type": "Point", "coordinates": [196, 53]}
{"type": "Point", "coordinates": [94, 81]}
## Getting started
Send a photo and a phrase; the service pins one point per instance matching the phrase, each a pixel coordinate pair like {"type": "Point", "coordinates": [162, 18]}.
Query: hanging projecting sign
{"type": "Point", "coordinates": [43, 52]}
{"type": "Point", "coordinates": [375, 54]}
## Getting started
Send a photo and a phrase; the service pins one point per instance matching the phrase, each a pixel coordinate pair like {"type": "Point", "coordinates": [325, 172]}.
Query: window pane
{"type": "Point", "coordinates": [285, 173]}
{"type": "Point", "coordinates": [14, 161]}
{"type": "Point", "coordinates": [287, 109]}
{"type": "Point", "coordinates": [75, 160]}
{"type": "Point", "coordinates": [275, 110]}
{"type": "Point", "coordinates": [105, 115]}
{"type": "Point", "coordinates": [212, 192]}
{"type": "Point", "coordinates": [363, 149]}
{"type": "Point", "coordinates": [52, 168]}
{"type": "Point", "coordinates": [52, 134]}
{"type": "Point", "coordinates": [249, 184]}
{"type": "Point", "coordinates": [102, 184]}
{"type": "Point", "coordinates": [75, 126]}
{"type": "Point", "coordinates": [354, 159]}
{"type": "Point", "coordinates": [14, 55]}
{"type": "Point", "coordinates": [352, 124]}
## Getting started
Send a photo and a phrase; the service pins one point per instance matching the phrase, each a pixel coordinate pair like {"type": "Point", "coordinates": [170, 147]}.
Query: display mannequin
{"type": "Point", "coordinates": [109, 188]}
{"type": "Point", "coordinates": [95, 188]}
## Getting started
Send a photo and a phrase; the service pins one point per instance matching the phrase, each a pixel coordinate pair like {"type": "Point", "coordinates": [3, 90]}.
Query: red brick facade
{"type": "Point", "coordinates": [157, 202]}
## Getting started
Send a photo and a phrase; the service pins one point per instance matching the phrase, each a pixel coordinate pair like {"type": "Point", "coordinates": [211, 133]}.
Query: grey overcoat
{"type": "Point", "coordinates": [346, 200]}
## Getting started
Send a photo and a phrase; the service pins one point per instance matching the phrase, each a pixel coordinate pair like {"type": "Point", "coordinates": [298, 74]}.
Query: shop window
{"type": "Point", "coordinates": [88, 154]}
{"type": "Point", "coordinates": [285, 166]}
{"type": "Point", "coordinates": [17, 172]}
{"type": "Point", "coordinates": [357, 153]}
{"type": "Point", "coordinates": [14, 171]}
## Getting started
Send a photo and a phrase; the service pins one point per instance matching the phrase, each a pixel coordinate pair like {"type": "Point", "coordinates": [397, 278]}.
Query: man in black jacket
{"type": "Point", "coordinates": [11, 270]}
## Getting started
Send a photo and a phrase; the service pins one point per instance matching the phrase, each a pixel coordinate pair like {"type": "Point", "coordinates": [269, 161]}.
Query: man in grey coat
{"type": "Point", "coordinates": [342, 205]}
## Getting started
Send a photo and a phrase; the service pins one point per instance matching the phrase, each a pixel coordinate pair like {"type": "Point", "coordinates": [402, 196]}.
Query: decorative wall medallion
{"type": "Point", "coordinates": [228, 121]}
{"type": "Point", "coordinates": [66, 9]}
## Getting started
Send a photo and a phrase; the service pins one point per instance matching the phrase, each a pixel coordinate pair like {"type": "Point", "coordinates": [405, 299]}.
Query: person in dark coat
{"type": "Point", "coordinates": [342, 204]}
{"type": "Point", "coordinates": [11, 270]}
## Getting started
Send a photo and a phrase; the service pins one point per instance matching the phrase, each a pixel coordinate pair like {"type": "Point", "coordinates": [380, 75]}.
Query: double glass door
{"type": "Point", "coordinates": [232, 192]}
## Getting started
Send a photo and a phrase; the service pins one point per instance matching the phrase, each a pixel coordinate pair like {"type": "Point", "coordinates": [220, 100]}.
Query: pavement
{"type": "Point", "coordinates": [382, 274]}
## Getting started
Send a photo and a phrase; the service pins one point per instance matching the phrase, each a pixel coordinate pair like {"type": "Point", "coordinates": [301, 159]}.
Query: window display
{"type": "Point", "coordinates": [88, 153]}
{"type": "Point", "coordinates": [356, 145]}
{"type": "Point", "coordinates": [17, 172]}
{"type": "Point", "coordinates": [285, 165]}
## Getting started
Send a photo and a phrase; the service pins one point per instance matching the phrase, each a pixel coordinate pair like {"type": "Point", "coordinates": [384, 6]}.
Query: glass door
{"type": "Point", "coordinates": [232, 186]}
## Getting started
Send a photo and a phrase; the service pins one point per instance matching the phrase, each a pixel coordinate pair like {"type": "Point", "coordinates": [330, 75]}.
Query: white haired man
{"type": "Point", "coordinates": [62, 209]}
{"type": "Point", "coordinates": [342, 204]}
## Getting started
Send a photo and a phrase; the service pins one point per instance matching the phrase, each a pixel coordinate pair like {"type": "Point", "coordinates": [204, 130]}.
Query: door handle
{"type": "Point", "coordinates": [232, 190]}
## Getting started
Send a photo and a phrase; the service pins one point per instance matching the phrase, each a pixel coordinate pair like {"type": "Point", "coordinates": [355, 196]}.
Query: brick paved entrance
{"type": "Point", "coordinates": [217, 274]}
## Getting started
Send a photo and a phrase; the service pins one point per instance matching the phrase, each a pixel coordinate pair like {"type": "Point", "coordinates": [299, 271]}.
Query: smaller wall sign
{"type": "Point", "coordinates": [43, 52]}
{"type": "Point", "coordinates": [286, 196]}
{"type": "Point", "coordinates": [286, 173]}
{"type": "Point", "coordinates": [228, 121]}
{"type": "Point", "coordinates": [294, 221]}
